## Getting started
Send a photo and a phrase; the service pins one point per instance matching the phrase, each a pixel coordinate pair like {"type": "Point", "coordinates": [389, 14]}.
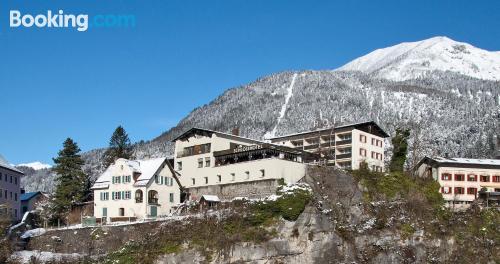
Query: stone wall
{"type": "Point", "coordinates": [251, 189]}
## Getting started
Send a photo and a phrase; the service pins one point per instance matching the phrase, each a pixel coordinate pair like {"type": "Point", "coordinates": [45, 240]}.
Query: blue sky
{"type": "Point", "coordinates": [58, 83]}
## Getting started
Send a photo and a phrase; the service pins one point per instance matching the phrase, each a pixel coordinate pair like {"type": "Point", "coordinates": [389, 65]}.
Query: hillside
{"type": "Point", "coordinates": [450, 112]}
{"type": "Point", "coordinates": [360, 218]}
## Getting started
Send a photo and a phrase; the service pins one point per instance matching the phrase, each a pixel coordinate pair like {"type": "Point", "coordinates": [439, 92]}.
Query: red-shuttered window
{"type": "Point", "coordinates": [496, 178]}
{"type": "Point", "coordinates": [484, 178]}
{"type": "Point", "coordinates": [445, 190]}
{"type": "Point", "coordinates": [471, 190]}
{"type": "Point", "coordinates": [446, 177]}
{"type": "Point", "coordinates": [471, 177]}
{"type": "Point", "coordinates": [459, 190]}
{"type": "Point", "coordinates": [459, 177]}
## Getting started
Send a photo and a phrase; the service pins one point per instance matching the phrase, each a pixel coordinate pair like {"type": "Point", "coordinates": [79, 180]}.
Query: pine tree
{"type": "Point", "coordinates": [400, 149]}
{"type": "Point", "coordinates": [119, 147]}
{"type": "Point", "coordinates": [71, 181]}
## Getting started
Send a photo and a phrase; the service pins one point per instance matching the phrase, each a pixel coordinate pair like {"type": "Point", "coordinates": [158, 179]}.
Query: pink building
{"type": "Point", "coordinates": [10, 190]}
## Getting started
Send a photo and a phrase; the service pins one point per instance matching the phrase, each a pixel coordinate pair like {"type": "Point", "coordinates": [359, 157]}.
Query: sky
{"type": "Point", "coordinates": [59, 82]}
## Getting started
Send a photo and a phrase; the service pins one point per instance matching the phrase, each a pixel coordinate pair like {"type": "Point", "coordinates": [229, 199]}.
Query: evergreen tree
{"type": "Point", "coordinates": [71, 181]}
{"type": "Point", "coordinates": [119, 147]}
{"type": "Point", "coordinates": [400, 149]}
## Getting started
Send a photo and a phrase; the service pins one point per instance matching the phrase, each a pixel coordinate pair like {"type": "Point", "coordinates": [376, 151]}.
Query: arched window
{"type": "Point", "coordinates": [153, 197]}
{"type": "Point", "coordinates": [138, 196]}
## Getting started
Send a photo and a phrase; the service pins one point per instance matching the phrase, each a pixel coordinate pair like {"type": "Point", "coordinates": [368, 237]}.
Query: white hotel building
{"type": "Point", "coordinates": [343, 146]}
{"type": "Point", "coordinates": [206, 158]}
{"type": "Point", "coordinates": [461, 179]}
{"type": "Point", "coordinates": [135, 189]}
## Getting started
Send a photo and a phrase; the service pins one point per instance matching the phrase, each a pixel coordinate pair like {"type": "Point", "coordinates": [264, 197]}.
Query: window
{"type": "Point", "coordinates": [459, 177]}
{"type": "Point", "coordinates": [262, 173]}
{"type": "Point", "coordinates": [362, 138]}
{"type": "Point", "coordinates": [247, 175]}
{"type": "Point", "coordinates": [157, 180]}
{"type": "Point", "coordinates": [179, 165]}
{"type": "Point", "coordinates": [153, 197]}
{"type": "Point", "coordinates": [10, 178]}
{"type": "Point", "coordinates": [207, 162]}
{"type": "Point", "coordinates": [233, 177]}
{"type": "Point", "coordinates": [161, 180]}
{"type": "Point", "coordinates": [471, 177]}
{"type": "Point", "coordinates": [0, 176]}
{"type": "Point", "coordinates": [127, 195]}
{"type": "Point", "coordinates": [446, 177]}
{"type": "Point", "coordinates": [121, 212]}
{"type": "Point", "coordinates": [138, 196]}
{"type": "Point", "coordinates": [485, 178]}
{"type": "Point", "coordinates": [472, 191]}
{"type": "Point", "coordinates": [1, 192]}
{"type": "Point", "coordinates": [496, 179]}
{"type": "Point", "coordinates": [15, 197]}
{"type": "Point", "coordinates": [459, 190]}
{"type": "Point", "coordinates": [206, 180]}
{"type": "Point", "coordinates": [15, 180]}
{"type": "Point", "coordinates": [117, 195]}
{"type": "Point", "coordinates": [193, 181]}
{"type": "Point", "coordinates": [200, 163]}
{"type": "Point", "coordinates": [171, 197]}
{"type": "Point", "coordinates": [374, 141]}
{"type": "Point", "coordinates": [362, 152]}
{"type": "Point", "coordinates": [116, 179]}
{"type": "Point", "coordinates": [104, 196]}
{"type": "Point", "coordinates": [219, 178]}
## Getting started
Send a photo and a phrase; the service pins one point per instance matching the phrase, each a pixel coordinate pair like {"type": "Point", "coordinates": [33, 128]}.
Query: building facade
{"type": "Point", "coordinates": [461, 179]}
{"type": "Point", "coordinates": [343, 146]}
{"type": "Point", "coordinates": [206, 158]}
{"type": "Point", "coordinates": [10, 190]}
{"type": "Point", "coordinates": [136, 189]}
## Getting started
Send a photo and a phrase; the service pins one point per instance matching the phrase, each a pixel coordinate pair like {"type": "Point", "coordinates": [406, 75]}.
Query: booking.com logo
{"type": "Point", "coordinates": [82, 22]}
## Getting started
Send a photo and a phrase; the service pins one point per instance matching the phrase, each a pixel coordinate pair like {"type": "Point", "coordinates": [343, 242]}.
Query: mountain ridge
{"type": "Point", "coordinates": [448, 112]}
{"type": "Point", "coordinates": [409, 60]}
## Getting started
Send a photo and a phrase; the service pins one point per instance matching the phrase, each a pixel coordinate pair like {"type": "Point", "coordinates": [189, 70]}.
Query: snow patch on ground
{"type": "Point", "coordinates": [33, 233]}
{"type": "Point", "coordinates": [25, 256]}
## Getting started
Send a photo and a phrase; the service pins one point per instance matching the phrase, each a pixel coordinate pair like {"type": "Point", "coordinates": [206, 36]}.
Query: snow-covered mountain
{"type": "Point", "coordinates": [36, 165]}
{"type": "Point", "coordinates": [411, 60]}
{"type": "Point", "coordinates": [449, 112]}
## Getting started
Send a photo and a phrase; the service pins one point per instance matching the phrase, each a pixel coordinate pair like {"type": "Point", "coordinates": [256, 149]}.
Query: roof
{"type": "Point", "coordinates": [210, 132]}
{"type": "Point", "coordinates": [146, 168]}
{"type": "Point", "coordinates": [461, 162]}
{"type": "Point", "coordinates": [359, 126]}
{"type": "Point", "coordinates": [210, 198]}
{"type": "Point", "coordinates": [29, 196]}
{"type": "Point", "coordinates": [5, 164]}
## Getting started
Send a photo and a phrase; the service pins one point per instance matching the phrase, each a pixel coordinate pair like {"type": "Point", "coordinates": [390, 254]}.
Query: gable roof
{"type": "Point", "coordinates": [208, 132]}
{"type": "Point", "coordinates": [461, 162]}
{"type": "Point", "coordinates": [369, 127]}
{"type": "Point", "coordinates": [28, 196]}
{"type": "Point", "coordinates": [5, 164]}
{"type": "Point", "coordinates": [210, 198]}
{"type": "Point", "coordinates": [147, 169]}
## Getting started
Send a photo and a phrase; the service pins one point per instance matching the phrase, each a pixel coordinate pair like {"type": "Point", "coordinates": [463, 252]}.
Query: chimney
{"type": "Point", "coordinates": [236, 131]}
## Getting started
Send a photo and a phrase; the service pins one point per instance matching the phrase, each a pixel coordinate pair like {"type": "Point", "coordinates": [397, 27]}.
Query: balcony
{"type": "Point", "coordinates": [315, 146]}
{"type": "Point", "coordinates": [344, 142]}
{"type": "Point", "coordinates": [344, 156]}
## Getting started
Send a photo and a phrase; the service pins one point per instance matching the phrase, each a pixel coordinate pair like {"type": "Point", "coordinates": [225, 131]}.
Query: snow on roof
{"type": "Point", "coordinates": [146, 168]}
{"type": "Point", "coordinates": [4, 163]}
{"type": "Point", "coordinates": [468, 161]}
{"type": "Point", "coordinates": [210, 198]}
